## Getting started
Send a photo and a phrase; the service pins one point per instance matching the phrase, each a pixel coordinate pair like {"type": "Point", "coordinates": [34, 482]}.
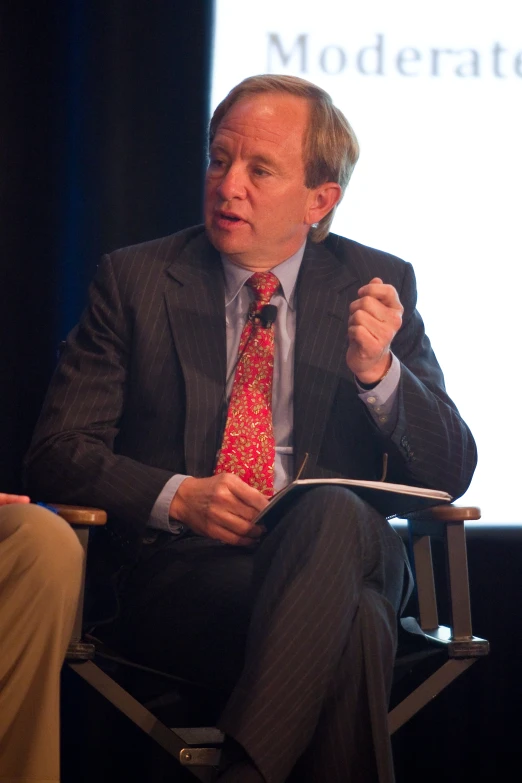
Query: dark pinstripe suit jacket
{"type": "Point", "coordinates": [138, 392]}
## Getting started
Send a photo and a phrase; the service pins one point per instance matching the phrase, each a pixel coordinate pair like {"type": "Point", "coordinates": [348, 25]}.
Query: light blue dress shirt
{"type": "Point", "coordinates": [381, 400]}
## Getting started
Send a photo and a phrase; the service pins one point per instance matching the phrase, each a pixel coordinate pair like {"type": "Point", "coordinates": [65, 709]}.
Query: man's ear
{"type": "Point", "coordinates": [323, 200]}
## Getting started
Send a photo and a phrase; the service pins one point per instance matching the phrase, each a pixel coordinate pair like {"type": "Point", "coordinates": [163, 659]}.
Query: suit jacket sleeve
{"type": "Point", "coordinates": [431, 445]}
{"type": "Point", "coordinates": [73, 458]}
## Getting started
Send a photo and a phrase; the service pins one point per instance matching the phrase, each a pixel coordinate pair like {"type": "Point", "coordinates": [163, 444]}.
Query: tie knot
{"type": "Point", "coordinates": [264, 285]}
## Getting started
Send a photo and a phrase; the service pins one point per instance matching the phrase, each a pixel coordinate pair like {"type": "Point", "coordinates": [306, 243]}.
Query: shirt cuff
{"type": "Point", "coordinates": [381, 401]}
{"type": "Point", "coordinates": [159, 516]}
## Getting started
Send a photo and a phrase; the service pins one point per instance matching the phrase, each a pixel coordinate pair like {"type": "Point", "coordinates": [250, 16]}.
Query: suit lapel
{"type": "Point", "coordinates": [325, 289]}
{"type": "Point", "coordinates": [196, 307]}
{"type": "Point", "coordinates": [195, 302]}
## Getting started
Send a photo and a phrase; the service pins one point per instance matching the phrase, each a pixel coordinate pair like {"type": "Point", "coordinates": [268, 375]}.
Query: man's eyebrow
{"type": "Point", "coordinates": [264, 159]}
{"type": "Point", "coordinates": [257, 159]}
{"type": "Point", "coordinates": [217, 147]}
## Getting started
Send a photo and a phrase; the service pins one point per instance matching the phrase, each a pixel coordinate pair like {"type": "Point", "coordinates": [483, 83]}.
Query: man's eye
{"type": "Point", "coordinates": [261, 172]}
{"type": "Point", "coordinates": [216, 163]}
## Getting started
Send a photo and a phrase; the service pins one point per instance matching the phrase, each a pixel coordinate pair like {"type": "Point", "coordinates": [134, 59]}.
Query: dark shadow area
{"type": "Point", "coordinates": [100, 745]}
{"type": "Point", "coordinates": [103, 128]}
{"type": "Point", "coordinates": [471, 731]}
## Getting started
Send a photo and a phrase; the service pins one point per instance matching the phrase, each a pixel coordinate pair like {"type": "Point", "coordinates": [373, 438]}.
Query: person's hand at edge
{"type": "Point", "coordinates": [6, 499]}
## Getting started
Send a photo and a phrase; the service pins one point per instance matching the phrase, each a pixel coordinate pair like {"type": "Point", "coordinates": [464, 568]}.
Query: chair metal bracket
{"type": "Point", "coordinates": [467, 647]}
{"type": "Point", "coordinates": [78, 651]}
{"type": "Point", "coordinates": [203, 745]}
{"type": "Point", "coordinates": [199, 759]}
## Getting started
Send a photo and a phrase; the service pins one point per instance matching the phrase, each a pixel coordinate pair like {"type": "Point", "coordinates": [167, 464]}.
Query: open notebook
{"type": "Point", "coordinates": [391, 500]}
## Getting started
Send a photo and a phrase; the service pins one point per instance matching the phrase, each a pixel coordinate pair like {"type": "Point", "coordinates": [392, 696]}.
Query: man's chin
{"type": "Point", "coordinates": [226, 242]}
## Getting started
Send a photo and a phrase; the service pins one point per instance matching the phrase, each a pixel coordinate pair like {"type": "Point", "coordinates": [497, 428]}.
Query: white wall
{"type": "Point", "coordinates": [434, 93]}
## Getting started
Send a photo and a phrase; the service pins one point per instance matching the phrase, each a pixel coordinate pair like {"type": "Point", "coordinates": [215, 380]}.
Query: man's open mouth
{"type": "Point", "coordinates": [229, 217]}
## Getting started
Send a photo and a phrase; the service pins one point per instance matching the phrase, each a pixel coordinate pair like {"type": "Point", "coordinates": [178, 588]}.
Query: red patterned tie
{"type": "Point", "coordinates": [248, 447]}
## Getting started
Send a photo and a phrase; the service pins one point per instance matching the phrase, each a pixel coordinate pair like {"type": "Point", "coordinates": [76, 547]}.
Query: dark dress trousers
{"type": "Point", "coordinates": [300, 632]}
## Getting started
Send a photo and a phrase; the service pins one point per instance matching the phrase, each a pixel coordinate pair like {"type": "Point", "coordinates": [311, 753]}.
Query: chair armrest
{"type": "Point", "coordinates": [446, 512]}
{"type": "Point", "coordinates": [436, 521]}
{"type": "Point", "coordinates": [445, 522]}
{"type": "Point", "coordinates": [451, 513]}
{"type": "Point", "coordinates": [81, 515]}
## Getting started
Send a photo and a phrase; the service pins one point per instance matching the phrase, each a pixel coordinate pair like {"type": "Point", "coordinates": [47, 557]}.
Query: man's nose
{"type": "Point", "coordinates": [232, 184]}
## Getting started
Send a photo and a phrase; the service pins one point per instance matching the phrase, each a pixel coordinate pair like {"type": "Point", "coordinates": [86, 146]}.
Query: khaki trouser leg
{"type": "Point", "coordinates": [40, 573]}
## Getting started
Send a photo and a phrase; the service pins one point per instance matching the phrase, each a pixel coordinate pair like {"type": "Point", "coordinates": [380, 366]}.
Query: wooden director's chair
{"type": "Point", "coordinates": [198, 748]}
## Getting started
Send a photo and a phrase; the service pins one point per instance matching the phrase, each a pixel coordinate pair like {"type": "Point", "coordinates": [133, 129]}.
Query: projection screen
{"type": "Point", "coordinates": [434, 93]}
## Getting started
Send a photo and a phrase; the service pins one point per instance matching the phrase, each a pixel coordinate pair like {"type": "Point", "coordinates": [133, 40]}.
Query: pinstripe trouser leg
{"type": "Point", "coordinates": [321, 644]}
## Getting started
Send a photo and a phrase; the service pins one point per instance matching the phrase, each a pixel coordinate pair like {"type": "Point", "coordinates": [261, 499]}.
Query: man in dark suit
{"type": "Point", "coordinates": [298, 624]}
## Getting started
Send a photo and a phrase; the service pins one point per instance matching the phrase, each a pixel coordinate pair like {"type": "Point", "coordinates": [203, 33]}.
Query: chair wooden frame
{"type": "Point", "coordinates": [198, 749]}
{"type": "Point", "coordinates": [447, 524]}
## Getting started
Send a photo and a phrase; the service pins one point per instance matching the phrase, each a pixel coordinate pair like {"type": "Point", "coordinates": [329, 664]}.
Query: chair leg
{"type": "Point", "coordinates": [197, 749]}
{"type": "Point", "coordinates": [457, 566]}
{"type": "Point", "coordinates": [427, 691]}
{"type": "Point", "coordinates": [78, 650]}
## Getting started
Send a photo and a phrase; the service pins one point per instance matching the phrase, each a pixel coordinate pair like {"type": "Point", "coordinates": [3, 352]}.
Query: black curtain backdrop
{"type": "Point", "coordinates": [103, 115]}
